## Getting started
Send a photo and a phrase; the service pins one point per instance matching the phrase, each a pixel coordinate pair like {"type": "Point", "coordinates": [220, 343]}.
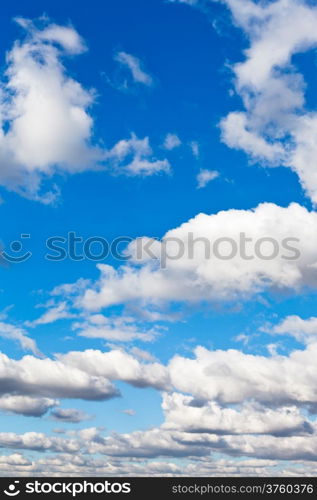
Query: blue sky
{"type": "Point", "coordinates": [158, 119]}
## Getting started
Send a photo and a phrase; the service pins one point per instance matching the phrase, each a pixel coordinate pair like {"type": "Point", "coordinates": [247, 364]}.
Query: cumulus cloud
{"type": "Point", "coordinates": [51, 378]}
{"type": "Point", "coordinates": [70, 415]}
{"type": "Point", "coordinates": [303, 330]}
{"type": "Point", "coordinates": [45, 123]}
{"type": "Point", "coordinates": [205, 176]}
{"type": "Point", "coordinates": [115, 329]}
{"type": "Point", "coordinates": [231, 377]}
{"type": "Point", "coordinates": [276, 126]}
{"type": "Point", "coordinates": [27, 406]}
{"type": "Point", "coordinates": [134, 65]}
{"type": "Point", "coordinates": [141, 354]}
{"type": "Point", "coordinates": [194, 146]}
{"type": "Point", "coordinates": [213, 258]}
{"type": "Point", "coordinates": [189, 2]}
{"type": "Point", "coordinates": [159, 442]}
{"type": "Point", "coordinates": [134, 157]}
{"type": "Point", "coordinates": [39, 441]}
{"type": "Point", "coordinates": [46, 126]}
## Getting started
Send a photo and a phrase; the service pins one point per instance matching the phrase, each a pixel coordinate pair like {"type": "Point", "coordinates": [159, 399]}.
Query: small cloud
{"type": "Point", "coordinates": [171, 141]}
{"type": "Point", "coordinates": [205, 176]}
{"type": "Point", "coordinates": [57, 430]}
{"type": "Point", "coordinates": [194, 146]}
{"type": "Point", "coordinates": [18, 334]}
{"type": "Point", "coordinates": [70, 415]}
{"type": "Point", "coordinates": [26, 405]}
{"type": "Point", "coordinates": [53, 314]}
{"type": "Point", "coordinates": [131, 413]}
{"type": "Point", "coordinates": [134, 65]}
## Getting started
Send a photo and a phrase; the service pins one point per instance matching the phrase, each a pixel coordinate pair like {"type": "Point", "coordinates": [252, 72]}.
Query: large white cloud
{"type": "Point", "coordinates": [233, 377]}
{"type": "Point", "coordinates": [70, 415]}
{"type": "Point", "coordinates": [114, 329]}
{"type": "Point", "coordinates": [229, 255]}
{"type": "Point", "coordinates": [45, 122]}
{"type": "Point", "coordinates": [51, 378]}
{"type": "Point", "coordinates": [303, 330]}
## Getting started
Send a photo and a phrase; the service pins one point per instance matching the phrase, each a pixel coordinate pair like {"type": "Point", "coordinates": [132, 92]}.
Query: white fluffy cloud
{"type": "Point", "coordinates": [45, 123]}
{"type": "Point", "coordinates": [234, 253]}
{"type": "Point", "coordinates": [67, 464]}
{"type": "Point", "coordinates": [230, 402]}
{"type": "Point", "coordinates": [189, 2]}
{"type": "Point", "coordinates": [27, 406]}
{"type": "Point", "coordinates": [276, 127]}
{"type": "Point", "coordinates": [32, 382]}
{"type": "Point", "coordinates": [205, 176]}
{"type": "Point", "coordinates": [72, 456]}
{"type": "Point", "coordinates": [185, 414]}
{"type": "Point", "coordinates": [171, 141]}
{"type": "Point", "coordinates": [235, 377]}
{"type": "Point", "coordinates": [12, 332]}
{"type": "Point", "coordinates": [70, 415]}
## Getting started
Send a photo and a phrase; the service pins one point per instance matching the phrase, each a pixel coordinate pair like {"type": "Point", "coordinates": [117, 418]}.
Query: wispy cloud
{"type": "Point", "coordinates": [205, 176]}
{"type": "Point", "coordinates": [70, 415]}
